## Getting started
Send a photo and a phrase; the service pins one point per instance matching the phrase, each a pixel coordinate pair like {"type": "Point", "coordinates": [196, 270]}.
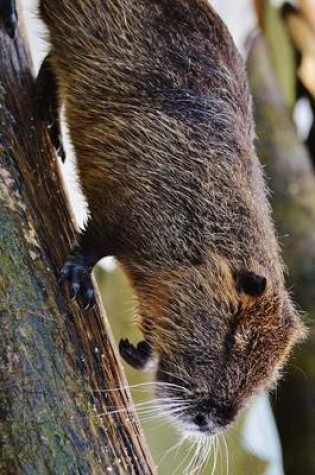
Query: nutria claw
{"type": "Point", "coordinates": [9, 16]}
{"type": "Point", "coordinates": [79, 277]}
{"type": "Point", "coordinates": [138, 356]}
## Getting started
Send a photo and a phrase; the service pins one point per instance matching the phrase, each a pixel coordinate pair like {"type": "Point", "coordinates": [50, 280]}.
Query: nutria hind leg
{"type": "Point", "coordinates": [48, 104]}
{"type": "Point", "coordinates": [78, 268]}
{"type": "Point", "coordinates": [8, 15]}
{"type": "Point", "coordinates": [137, 356]}
{"type": "Point", "coordinates": [77, 272]}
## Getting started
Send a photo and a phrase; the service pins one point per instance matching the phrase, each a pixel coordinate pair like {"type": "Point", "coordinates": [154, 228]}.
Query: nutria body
{"type": "Point", "coordinates": [160, 115]}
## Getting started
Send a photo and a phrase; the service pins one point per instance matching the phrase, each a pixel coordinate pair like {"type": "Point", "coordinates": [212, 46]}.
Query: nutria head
{"type": "Point", "coordinates": [229, 345]}
{"type": "Point", "coordinates": [221, 338]}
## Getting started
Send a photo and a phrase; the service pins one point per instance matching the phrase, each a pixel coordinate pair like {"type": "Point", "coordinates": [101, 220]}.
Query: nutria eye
{"type": "Point", "coordinates": [229, 341]}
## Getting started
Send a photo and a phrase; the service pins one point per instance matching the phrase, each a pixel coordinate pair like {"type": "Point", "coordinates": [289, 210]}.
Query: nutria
{"type": "Point", "coordinates": [160, 115]}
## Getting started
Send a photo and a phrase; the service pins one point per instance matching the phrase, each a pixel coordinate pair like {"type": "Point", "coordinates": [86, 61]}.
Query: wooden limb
{"type": "Point", "coordinates": [292, 180]}
{"type": "Point", "coordinates": [59, 371]}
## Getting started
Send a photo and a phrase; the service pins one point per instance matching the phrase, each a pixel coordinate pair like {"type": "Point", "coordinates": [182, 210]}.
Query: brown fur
{"type": "Point", "coordinates": [160, 116]}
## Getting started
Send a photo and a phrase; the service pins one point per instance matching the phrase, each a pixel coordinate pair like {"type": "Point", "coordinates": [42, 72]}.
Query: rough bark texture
{"type": "Point", "coordinates": [291, 177]}
{"type": "Point", "coordinates": [58, 368]}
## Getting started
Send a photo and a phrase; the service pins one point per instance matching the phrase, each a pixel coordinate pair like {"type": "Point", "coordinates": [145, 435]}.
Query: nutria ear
{"type": "Point", "coordinates": [250, 283]}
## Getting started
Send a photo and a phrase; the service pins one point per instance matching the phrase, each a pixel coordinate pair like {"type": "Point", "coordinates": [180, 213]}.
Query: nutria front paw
{"type": "Point", "coordinates": [138, 356]}
{"type": "Point", "coordinates": [78, 274]}
{"type": "Point", "coordinates": [8, 15]}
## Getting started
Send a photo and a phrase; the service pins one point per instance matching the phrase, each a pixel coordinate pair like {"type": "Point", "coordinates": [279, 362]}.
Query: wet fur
{"type": "Point", "coordinates": [160, 116]}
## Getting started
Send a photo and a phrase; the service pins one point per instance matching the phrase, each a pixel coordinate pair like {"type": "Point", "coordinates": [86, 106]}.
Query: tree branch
{"type": "Point", "coordinates": [59, 370]}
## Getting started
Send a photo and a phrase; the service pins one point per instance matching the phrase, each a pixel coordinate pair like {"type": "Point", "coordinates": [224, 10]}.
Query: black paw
{"type": "Point", "coordinates": [79, 277]}
{"type": "Point", "coordinates": [138, 356]}
{"type": "Point", "coordinates": [55, 137]}
{"type": "Point", "coordinates": [8, 15]}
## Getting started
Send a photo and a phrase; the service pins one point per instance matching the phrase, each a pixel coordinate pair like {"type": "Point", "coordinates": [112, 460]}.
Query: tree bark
{"type": "Point", "coordinates": [292, 181]}
{"type": "Point", "coordinates": [59, 370]}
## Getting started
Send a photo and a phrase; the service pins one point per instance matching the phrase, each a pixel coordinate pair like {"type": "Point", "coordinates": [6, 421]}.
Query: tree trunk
{"type": "Point", "coordinates": [59, 370]}
{"type": "Point", "coordinates": [292, 181]}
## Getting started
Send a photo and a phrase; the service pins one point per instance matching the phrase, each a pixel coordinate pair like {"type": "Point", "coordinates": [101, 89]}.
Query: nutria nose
{"type": "Point", "coordinates": [204, 423]}
{"type": "Point", "coordinates": [201, 421]}
{"type": "Point", "coordinates": [217, 417]}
